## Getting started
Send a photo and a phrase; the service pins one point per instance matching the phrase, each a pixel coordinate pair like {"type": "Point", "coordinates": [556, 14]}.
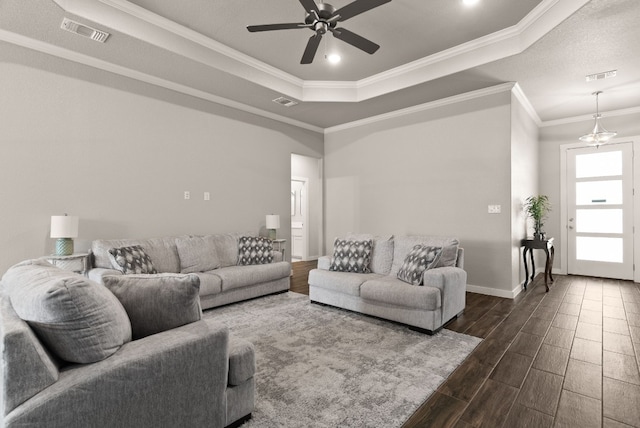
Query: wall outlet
{"type": "Point", "coordinates": [187, 194]}
{"type": "Point", "coordinates": [494, 209]}
{"type": "Point", "coordinates": [207, 196]}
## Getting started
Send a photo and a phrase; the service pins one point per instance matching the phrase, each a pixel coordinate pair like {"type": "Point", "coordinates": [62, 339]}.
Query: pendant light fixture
{"type": "Point", "coordinates": [598, 135]}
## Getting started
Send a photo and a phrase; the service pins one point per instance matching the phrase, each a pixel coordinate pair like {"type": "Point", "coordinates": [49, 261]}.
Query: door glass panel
{"type": "Point", "coordinates": [599, 221]}
{"type": "Point", "coordinates": [599, 249]}
{"type": "Point", "coordinates": [599, 192]}
{"type": "Point", "coordinates": [603, 164]}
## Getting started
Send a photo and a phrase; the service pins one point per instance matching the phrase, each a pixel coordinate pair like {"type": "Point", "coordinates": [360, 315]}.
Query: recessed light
{"type": "Point", "coordinates": [470, 2]}
{"type": "Point", "coordinates": [333, 58]}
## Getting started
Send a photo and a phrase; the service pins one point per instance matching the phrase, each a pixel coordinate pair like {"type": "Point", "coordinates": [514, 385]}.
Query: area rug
{"type": "Point", "coordinates": [319, 366]}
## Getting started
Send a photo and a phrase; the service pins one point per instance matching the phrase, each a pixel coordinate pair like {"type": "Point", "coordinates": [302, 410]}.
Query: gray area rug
{"type": "Point", "coordinates": [319, 366]}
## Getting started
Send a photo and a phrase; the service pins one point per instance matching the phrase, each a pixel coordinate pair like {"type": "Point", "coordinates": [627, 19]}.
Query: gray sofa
{"type": "Point", "coordinates": [380, 293]}
{"type": "Point", "coordinates": [68, 360]}
{"type": "Point", "coordinates": [213, 258]}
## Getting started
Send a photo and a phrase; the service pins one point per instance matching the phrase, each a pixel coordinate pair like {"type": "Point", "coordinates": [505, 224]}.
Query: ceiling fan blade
{"type": "Point", "coordinates": [310, 6]}
{"type": "Point", "coordinates": [357, 7]}
{"type": "Point", "coordinates": [312, 47]}
{"type": "Point", "coordinates": [355, 40]}
{"type": "Point", "coordinates": [270, 27]}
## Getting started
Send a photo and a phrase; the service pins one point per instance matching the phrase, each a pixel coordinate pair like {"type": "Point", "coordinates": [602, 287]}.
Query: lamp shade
{"type": "Point", "coordinates": [273, 221]}
{"type": "Point", "coordinates": [64, 226]}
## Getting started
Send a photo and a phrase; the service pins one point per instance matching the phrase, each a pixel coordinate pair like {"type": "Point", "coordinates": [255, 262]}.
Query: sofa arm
{"type": "Point", "coordinates": [96, 274]}
{"type": "Point", "coordinates": [277, 256]}
{"type": "Point", "coordinates": [174, 378]}
{"type": "Point", "coordinates": [324, 262]}
{"type": "Point", "coordinates": [452, 282]}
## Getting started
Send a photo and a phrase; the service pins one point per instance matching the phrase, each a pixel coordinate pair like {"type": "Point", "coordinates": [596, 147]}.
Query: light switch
{"type": "Point", "coordinates": [187, 194]}
{"type": "Point", "coordinates": [494, 209]}
{"type": "Point", "coordinates": [207, 196]}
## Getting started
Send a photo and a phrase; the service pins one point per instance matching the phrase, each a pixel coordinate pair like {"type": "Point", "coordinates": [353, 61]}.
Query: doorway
{"type": "Point", "coordinates": [306, 208]}
{"type": "Point", "coordinates": [599, 211]}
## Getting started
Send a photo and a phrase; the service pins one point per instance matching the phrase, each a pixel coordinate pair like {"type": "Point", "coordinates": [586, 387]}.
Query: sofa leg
{"type": "Point", "coordinates": [239, 422]}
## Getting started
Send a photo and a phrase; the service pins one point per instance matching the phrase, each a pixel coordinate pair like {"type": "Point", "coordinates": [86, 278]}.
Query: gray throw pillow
{"type": "Point", "coordinates": [157, 303]}
{"type": "Point", "coordinates": [254, 251]}
{"type": "Point", "coordinates": [131, 260]}
{"type": "Point", "coordinates": [421, 258]}
{"type": "Point", "coordinates": [77, 319]}
{"type": "Point", "coordinates": [448, 257]}
{"type": "Point", "coordinates": [351, 256]}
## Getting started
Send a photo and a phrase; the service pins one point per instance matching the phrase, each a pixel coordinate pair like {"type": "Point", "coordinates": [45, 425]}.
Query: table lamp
{"type": "Point", "coordinates": [273, 223]}
{"type": "Point", "coordinates": [65, 228]}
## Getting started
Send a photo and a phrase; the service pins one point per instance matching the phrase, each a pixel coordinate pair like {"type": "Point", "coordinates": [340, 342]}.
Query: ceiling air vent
{"type": "Point", "coordinates": [83, 30]}
{"type": "Point", "coordinates": [285, 102]}
{"type": "Point", "coordinates": [603, 75]}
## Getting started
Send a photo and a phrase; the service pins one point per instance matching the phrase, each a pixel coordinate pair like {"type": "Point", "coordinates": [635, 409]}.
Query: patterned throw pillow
{"type": "Point", "coordinates": [351, 256]}
{"type": "Point", "coordinates": [421, 258]}
{"type": "Point", "coordinates": [131, 260]}
{"type": "Point", "coordinates": [254, 251]}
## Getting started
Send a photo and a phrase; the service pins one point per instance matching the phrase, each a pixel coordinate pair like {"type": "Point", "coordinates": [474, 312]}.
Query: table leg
{"type": "Point", "coordinates": [553, 253]}
{"type": "Point", "coordinates": [526, 269]}
{"type": "Point", "coordinates": [547, 269]}
{"type": "Point", "coordinates": [533, 264]}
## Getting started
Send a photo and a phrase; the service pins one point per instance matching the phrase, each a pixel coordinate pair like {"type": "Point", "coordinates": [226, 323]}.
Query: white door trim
{"type": "Point", "coordinates": [305, 215]}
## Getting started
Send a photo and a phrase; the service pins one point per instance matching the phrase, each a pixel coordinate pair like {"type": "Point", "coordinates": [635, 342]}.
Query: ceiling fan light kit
{"type": "Point", "coordinates": [322, 18]}
{"type": "Point", "coordinates": [598, 135]}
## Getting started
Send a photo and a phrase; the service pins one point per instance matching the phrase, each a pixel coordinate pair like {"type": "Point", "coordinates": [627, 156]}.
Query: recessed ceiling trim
{"type": "Point", "coordinates": [426, 106]}
{"type": "Point", "coordinates": [140, 23]}
{"type": "Point", "coordinates": [520, 95]}
{"type": "Point", "coordinates": [584, 118]}
{"type": "Point", "coordinates": [40, 46]}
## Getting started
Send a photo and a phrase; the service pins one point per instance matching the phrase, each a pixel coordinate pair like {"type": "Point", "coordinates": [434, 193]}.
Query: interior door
{"type": "Point", "coordinates": [600, 211]}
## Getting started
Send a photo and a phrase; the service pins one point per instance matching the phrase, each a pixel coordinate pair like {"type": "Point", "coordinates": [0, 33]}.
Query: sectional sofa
{"type": "Point", "coordinates": [75, 354]}
{"type": "Point", "coordinates": [223, 262]}
{"type": "Point", "coordinates": [436, 296]}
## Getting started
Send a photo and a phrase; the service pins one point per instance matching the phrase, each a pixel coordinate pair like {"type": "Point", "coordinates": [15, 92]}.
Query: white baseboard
{"type": "Point", "coordinates": [501, 293]}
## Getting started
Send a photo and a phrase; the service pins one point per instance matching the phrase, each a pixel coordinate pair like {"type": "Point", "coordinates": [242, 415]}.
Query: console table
{"type": "Point", "coordinates": [538, 244]}
{"type": "Point", "coordinates": [279, 245]}
{"type": "Point", "coordinates": [78, 263]}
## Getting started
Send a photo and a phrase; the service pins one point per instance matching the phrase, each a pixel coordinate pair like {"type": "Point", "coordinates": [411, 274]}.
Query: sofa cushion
{"type": "Point", "coordinates": [390, 290]}
{"type": "Point", "coordinates": [381, 253]}
{"type": "Point", "coordinates": [404, 244]}
{"type": "Point", "coordinates": [242, 276]}
{"type": "Point", "coordinates": [242, 361]}
{"type": "Point", "coordinates": [343, 282]}
{"type": "Point", "coordinates": [197, 253]}
{"type": "Point", "coordinates": [77, 319]}
{"type": "Point", "coordinates": [210, 283]}
{"type": "Point", "coordinates": [157, 303]}
{"type": "Point", "coordinates": [162, 251]}
{"type": "Point", "coordinates": [351, 256]}
{"type": "Point", "coordinates": [253, 250]}
{"type": "Point", "coordinates": [226, 248]}
{"type": "Point", "coordinates": [421, 258]}
{"type": "Point", "coordinates": [131, 260]}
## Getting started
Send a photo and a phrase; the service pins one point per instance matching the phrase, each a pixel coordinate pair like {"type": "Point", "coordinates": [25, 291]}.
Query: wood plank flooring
{"type": "Point", "coordinates": [567, 358]}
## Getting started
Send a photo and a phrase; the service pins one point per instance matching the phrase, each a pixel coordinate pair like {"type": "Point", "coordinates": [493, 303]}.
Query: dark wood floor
{"type": "Point", "coordinates": [567, 358]}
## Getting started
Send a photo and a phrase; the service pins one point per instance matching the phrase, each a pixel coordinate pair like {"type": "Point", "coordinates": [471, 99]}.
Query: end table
{"type": "Point", "coordinates": [280, 245]}
{"type": "Point", "coordinates": [78, 262]}
{"type": "Point", "coordinates": [538, 244]}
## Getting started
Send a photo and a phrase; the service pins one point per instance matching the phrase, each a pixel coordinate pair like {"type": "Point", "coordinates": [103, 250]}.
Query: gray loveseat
{"type": "Point", "coordinates": [213, 258]}
{"type": "Point", "coordinates": [68, 359]}
{"type": "Point", "coordinates": [380, 293]}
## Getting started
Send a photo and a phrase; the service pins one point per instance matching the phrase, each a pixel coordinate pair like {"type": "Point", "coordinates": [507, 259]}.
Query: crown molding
{"type": "Point", "coordinates": [504, 87]}
{"type": "Point", "coordinates": [519, 94]}
{"type": "Point", "coordinates": [90, 61]}
{"type": "Point", "coordinates": [584, 118]}
{"type": "Point", "coordinates": [130, 19]}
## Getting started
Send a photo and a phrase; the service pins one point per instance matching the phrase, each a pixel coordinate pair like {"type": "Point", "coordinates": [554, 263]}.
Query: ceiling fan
{"type": "Point", "coordinates": [322, 18]}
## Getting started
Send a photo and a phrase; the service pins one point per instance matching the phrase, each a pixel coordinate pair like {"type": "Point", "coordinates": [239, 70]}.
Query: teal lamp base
{"type": "Point", "coordinates": [64, 247]}
{"type": "Point", "coordinates": [272, 234]}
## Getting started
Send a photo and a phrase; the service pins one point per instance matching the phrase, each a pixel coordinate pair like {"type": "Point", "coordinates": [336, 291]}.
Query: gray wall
{"type": "Point", "coordinates": [119, 154]}
{"type": "Point", "coordinates": [432, 172]}
{"type": "Point", "coordinates": [524, 183]}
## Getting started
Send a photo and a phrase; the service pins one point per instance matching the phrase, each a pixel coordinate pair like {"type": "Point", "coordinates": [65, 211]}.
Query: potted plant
{"type": "Point", "coordinates": [537, 208]}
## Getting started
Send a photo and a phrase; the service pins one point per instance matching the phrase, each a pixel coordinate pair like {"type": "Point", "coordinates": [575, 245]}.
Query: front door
{"type": "Point", "coordinates": [600, 211]}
